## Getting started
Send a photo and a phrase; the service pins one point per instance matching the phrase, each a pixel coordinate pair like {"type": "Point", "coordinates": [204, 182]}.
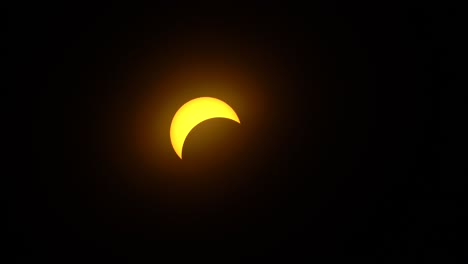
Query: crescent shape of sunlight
{"type": "Point", "coordinates": [193, 113]}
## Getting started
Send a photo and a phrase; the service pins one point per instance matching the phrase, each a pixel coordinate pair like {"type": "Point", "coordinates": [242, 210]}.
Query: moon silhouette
{"type": "Point", "coordinates": [193, 113]}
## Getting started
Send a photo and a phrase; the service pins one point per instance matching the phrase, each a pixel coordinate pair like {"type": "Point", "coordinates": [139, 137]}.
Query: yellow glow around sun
{"type": "Point", "coordinates": [193, 113]}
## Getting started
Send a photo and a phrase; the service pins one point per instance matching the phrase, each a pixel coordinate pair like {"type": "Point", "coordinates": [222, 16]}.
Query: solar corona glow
{"type": "Point", "coordinates": [193, 113]}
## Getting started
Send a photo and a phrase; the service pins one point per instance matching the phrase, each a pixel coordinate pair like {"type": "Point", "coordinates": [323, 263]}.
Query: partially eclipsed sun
{"type": "Point", "coordinates": [193, 113]}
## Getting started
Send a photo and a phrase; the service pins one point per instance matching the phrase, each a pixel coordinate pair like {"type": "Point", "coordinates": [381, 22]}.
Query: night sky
{"type": "Point", "coordinates": [338, 154]}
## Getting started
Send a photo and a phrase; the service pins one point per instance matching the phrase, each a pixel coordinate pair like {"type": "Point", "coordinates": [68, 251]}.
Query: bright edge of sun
{"type": "Point", "coordinates": [193, 113]}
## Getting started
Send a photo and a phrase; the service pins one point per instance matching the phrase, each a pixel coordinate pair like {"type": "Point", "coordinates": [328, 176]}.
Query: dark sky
{"type": "Point", "coordinates": [337, 155]}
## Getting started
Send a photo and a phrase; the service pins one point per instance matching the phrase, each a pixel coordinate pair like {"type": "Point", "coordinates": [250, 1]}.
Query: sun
{"type": "Point", "coordinates": [193, 113]}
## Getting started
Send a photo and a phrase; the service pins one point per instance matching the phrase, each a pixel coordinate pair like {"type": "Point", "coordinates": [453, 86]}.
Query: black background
{"type": "Point", "coordinates": [346, 163]}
